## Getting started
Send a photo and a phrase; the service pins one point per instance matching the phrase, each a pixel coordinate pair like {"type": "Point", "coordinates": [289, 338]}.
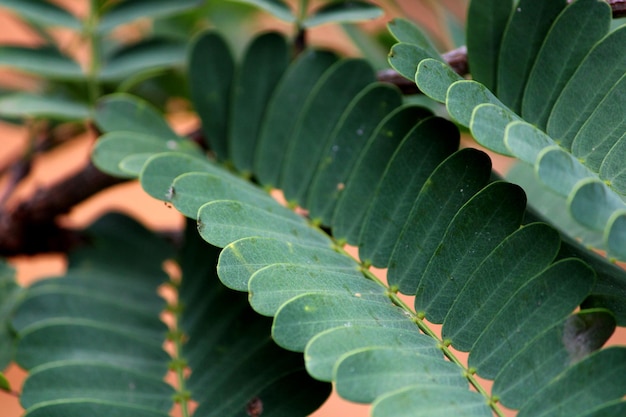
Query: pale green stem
{"type": "Point", "coordinates": [423, 326]}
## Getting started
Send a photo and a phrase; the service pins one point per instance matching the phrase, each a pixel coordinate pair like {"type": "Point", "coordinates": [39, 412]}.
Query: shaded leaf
{"type": "Point", "coordinates": [588, 87]}
{"type": "Point", "coordinates": [420, 152]}
{"type": "Point", "coordinates": [549, 353]}
{"type": "Point", "coordinates": [211, 70]}
{"type": "Point", "coordinates": [486, 23]}
{"type": "Point", "coordinates": [573, 395]}
{"type": "Point", "coordinates": [531, 20]}
{"type": "Point", "coordinates": [9, 293]}
{"type": "Point", "coordinates": [321, 113]}
{"type": "Point", "coordinates": [572, 35]}
{"type": "Point", "coordinates": [265, 59]}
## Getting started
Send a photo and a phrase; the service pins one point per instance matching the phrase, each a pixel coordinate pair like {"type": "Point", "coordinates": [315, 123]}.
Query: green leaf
{"type": "Point", "coordinates": [211, 70]}
{"type": "Point", "coordinates": [583, 203]}
{"type": "Point", "coordinates": [45, 61]}
{"type": "Point", "coordinates": [449, 187]}
{"type": "Point", "coordinates": [278, 8]}
{"type": "Point", "coordinates": [160, 171]}
{"type": "Point", "coordinates": [342, 11]}
{"type": "Point", "coordinates": [463, 96]}
{"type": "Point", "coordinates": [406, 31]}
{"type": "Point", "coordinates": [9, 293]}
{"type": "Point", "coordinates": [525, 141]}
{"type": "Point", "coordinates": [303, 317]}
{"type": "Point", "coordinates": [192, 190]}
{"type": "Point", "coordinates": [572, 35]}
{"type": "Point", "coordinates": [615, 233]}
{"type": "Point", "coordinates": [127, 11]}
{"type": "Point", "coordinates": [431, 401]}
{"type": "Point", "coordinates": [368, 169]}
{"type": "Point", "coordinates": [405, 57]}
{"type": "Point", "coordinates": [4, 383]}
{"type": "Point", "coordinates": [364, 375]}
{"type": "Point", "coordinates": [222, 222]}
{"type": "Point", "coordinates": [356, 126]}
{"type": "Point", "coordinates": [234, 360]}
{"type": "Point", "coordinates": [106, 383]}
{"type": "Point", "coordinates": [488, 125]}
{"type": "Point", "coordinates": [603, 129]}
{"type": "Point", "coordinates": [549, 353]}
{"type": "Point", "coordinates": [241, 259]}
{"type": "Point", "coordinates": [43, 12]}
{"type": "Point", "coordinates": [25, 105]}
{"type": "Point", "coordinates": [276, 284]}
{"type": "Point", "coordinates": [572, 395]}
{"type": "Point", "coordinates": [326, 349]}
{"type": "Point", "coordinates": [292, 92]}
{"type": "Point", "coordinates": [142, 57]}
{"type": "Point", "coordinates": [82, 407]}
{"type": "Point", "coordinates": [554, 294]}
{"type": "Point", "coordinates": [526, 252]}
{"type": "Point", "coordinates": [265, 59]}
{"type": "Point", "coordinates": [559, 170]}
{"type": "Point", "coordinates": [112, 148]}
{"type": "Point", "coordinates": [434, 77]}
{"type": "Point", "coordinates": [424, 147]}
{"type": "Point", "coordinates": [612, 170]}
{"type": "Point", "coordinates": [322, 112]}
{"type": "Point", "coordinates": [486, 23]}
{"type": "Point", "coordinates": [468, 240]}
{"type": "Point", "coordinates": [531, 21]}
{"type": "Point", "coordinates": [588, 87]}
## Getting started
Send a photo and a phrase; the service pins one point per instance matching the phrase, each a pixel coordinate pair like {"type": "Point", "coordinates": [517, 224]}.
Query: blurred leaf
{"type": "Point", "coordinates": [371, 49]}
{"type": "Point", "coordinates": [45, 61]}
{"type": "Point", "coordinates": [43, 12]}
{"type": "Point", "coordinates": [277, 8]}
{"type": "Point", "coordinates": [126, 11]}
{"type": "Point", "coordinates": [146, 55]}
{"type": "Point", "coordinates": [343, 11]}
{"type": "Point", "coordinates": [25, 105]}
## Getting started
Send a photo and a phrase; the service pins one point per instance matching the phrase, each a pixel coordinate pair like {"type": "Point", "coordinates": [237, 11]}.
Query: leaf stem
{"type": "Point", "coordinates": [179, 364]}
{"type": "Point", "coordinates": [423, 326]}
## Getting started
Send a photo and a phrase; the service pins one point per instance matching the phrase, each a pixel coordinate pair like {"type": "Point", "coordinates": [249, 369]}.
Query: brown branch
{"type": "Point", "coordinates": [31, 226]}
{"type": "Point", "coordinates": [618, 7]}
